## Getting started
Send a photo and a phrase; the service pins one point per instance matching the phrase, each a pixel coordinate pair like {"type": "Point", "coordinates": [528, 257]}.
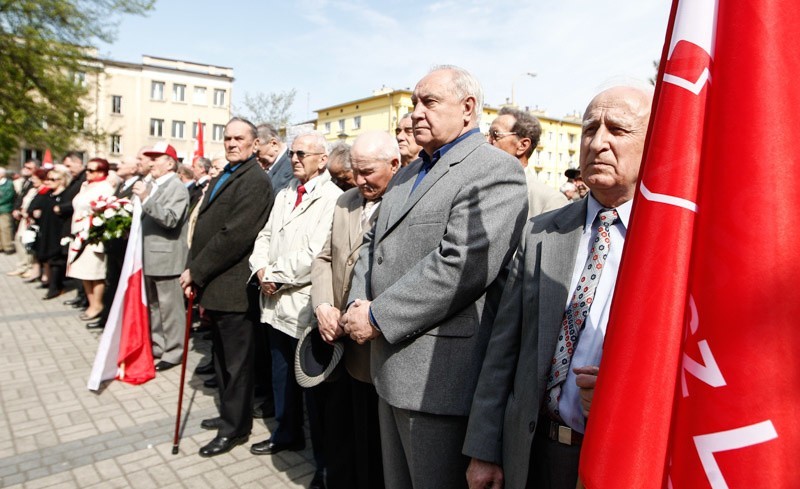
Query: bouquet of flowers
{"type": "Point", "coordinates": [108, 218]}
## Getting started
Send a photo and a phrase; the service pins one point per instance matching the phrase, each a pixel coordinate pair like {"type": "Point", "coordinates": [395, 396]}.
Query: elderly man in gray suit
{"type": "Point", "coordinates": [447, 227]}
{"type": "Point", "coordinates": [165, 206]}
{"type": "Point", "coordinates": [273, 156]}
{"type": "Point", "coordinates": [536, 384]}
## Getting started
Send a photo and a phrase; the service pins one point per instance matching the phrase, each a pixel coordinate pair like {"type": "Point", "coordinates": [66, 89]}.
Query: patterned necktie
{"type": "Point", "coordinates": [366, 214]}
{"type": "Point", "coordinates": [301, 190]}
{"type": "Point", "coordinates": [578, 310]}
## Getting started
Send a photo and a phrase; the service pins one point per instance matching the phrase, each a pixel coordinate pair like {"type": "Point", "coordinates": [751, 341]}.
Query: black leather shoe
{"type": "Point", "coordinates": [266, 447]}
{"type": "Point", "coordinates": [95, 325]}
{"type": "Point", "coordinates": [205, 369]}
{"type": "Point", "coordinates": [73, 301]}
{"type": "Point", "coordinates": [211, 423]}
{"type": "Point", "coordinates": [318, 482]}
{"type": "Point", "coordinates": [222, 444]}
{"type": "Point", "coordinates": [52, 295]}
{"type": "Point", "coordinates": [211, 383]}
{"type": "Point", "coordinates": [81, 304]}
{"type": "Point", "coordinates": [162, 366]}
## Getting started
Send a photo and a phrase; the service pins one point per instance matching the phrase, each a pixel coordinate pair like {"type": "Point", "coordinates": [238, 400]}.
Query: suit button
{"type": "Point", "coordinates": [350, 262]}
{"type": "Point", "coordinates": [380, 260]}
{"type": "Point", "coordinates": [532, 426]}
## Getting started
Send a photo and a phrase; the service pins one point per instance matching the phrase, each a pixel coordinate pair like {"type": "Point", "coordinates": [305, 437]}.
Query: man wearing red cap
{"type": "Point", "coordinates": [165, 204]}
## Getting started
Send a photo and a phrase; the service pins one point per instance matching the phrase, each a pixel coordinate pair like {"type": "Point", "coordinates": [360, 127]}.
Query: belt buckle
{"type": "Point", "coordinates": [564, 435]}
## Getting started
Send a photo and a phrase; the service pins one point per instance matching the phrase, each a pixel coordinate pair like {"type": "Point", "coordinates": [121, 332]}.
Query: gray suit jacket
{"type": "Point", "coordinates": [431, 258]}
{"type": "Point", "coordinates": [164, 234]}
{"type": "Point", "coordinates": [280, 173]}
{"type": "Point", "coordinates": [332, 272]}
{"type": "Point", "coordinates": [513, 379]}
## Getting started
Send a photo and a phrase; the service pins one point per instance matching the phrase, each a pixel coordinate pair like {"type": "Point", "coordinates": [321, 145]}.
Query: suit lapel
{"type": "Point", "coordinates": [237, 174]}
{"type": "Point", "coordinates": [454, 156]}
{"type": "Point", "coordinates": [559, 250]}
{"type": "Point", "coordinates": [354, 222]}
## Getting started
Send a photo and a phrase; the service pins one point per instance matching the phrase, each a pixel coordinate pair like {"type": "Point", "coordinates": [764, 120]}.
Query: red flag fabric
{"type": "Point", "coordinates": [697, 385]}
{"type": "Point", "coordinates": [198, 147]}
{"type": "Point", "coordinates": [125, 351]}
{"type": "Point", "coordinates": [47, 160]}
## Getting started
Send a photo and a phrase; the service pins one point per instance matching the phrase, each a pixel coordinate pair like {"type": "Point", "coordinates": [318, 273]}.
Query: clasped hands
{"type": "Point", "coordinates": [354, 323]}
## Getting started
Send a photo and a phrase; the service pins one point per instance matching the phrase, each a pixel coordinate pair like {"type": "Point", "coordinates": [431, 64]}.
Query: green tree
{"type": "Point", "coordinates": [272, 108]}
{"type": "Point", "coordinates": [45, 54]}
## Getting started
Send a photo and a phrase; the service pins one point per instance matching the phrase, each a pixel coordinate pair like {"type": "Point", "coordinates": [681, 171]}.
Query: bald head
{"type": "Point", "coordinates": [375, 159]}
{"type": "Point", "coordinates": [612, 142]}
{"type": "Point", "coordinates": [128, 167]}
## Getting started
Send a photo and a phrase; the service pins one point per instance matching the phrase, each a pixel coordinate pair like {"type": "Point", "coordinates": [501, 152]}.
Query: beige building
{"type": "Point", "coordinates": [557, 150]}
{"type": "Point", "coordinates": [133, 105]}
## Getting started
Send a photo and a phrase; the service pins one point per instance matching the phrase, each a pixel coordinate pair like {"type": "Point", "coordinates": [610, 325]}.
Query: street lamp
{"type": "Point", "coordinates": [528, 73]}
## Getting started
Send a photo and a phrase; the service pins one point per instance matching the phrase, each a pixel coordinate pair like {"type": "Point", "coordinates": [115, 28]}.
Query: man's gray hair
{"type": "Point", "coordinates": [267, 132]}
{"type": "Point", "coordinates": [525, 126]}
{"type": "Point", "coordinates": [340, 152]}
{"type": "Point", "coordinates": [407, 115]}
{"type": "Point", "coordinates": [205, 163]}
{"type": "Point", "coordinates": [464, 85]}
{"type": "Point", "coordinates": [250, 125]}
{"type": "Point", "coordinates": [317, 140]}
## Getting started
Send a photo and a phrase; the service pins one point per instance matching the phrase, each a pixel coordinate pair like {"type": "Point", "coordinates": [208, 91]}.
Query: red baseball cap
{"type": "Point", "coordinates": [162, 148]}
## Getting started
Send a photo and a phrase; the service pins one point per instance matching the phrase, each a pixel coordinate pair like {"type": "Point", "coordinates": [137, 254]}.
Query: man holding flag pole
{"type": "Point", "coordinates": [534, 392]}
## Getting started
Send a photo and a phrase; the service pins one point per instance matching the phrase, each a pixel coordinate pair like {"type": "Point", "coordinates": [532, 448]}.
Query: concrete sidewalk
{"type": "Point", "coordinates": [54, 432]}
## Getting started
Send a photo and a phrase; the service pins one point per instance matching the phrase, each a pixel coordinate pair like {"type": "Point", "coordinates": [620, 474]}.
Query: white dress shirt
{"type": "Point", "coordinates": [590, 343]}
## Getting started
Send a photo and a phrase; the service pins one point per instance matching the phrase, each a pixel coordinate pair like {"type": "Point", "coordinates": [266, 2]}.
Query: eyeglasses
{"type": "Point", "coordinates": [496, 135]}
{"type": "Point", "coordinates": [49, 179]}
{"type": "Point", "coordinates": [92, 170]}
{"type": "Point", "coordinates": [302, 154]}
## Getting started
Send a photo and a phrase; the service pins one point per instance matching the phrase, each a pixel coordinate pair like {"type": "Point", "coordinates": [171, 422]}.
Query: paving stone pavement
{"type": "Point", "coordinates": [55, 433]}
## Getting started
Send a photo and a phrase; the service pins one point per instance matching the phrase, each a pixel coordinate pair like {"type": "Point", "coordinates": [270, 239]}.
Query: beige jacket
{"type": "Point", "coordinates": [285, 249]}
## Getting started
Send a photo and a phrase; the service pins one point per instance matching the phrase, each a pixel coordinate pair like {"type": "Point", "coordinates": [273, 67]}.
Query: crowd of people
{"type": "Point", "coordinates": [468, 301]}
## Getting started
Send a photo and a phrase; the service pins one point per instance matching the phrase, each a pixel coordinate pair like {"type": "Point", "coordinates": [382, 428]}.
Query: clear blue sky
{"type": "Point", "coordinates": [334, 51]}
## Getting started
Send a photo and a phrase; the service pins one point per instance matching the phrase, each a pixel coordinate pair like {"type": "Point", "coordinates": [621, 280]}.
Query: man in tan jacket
{"type": "Point", "coordinates": [375, 159]}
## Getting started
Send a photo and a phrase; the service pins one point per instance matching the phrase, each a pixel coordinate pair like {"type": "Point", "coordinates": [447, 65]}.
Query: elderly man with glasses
{"type": "Point", "coordinates": [517, 133]}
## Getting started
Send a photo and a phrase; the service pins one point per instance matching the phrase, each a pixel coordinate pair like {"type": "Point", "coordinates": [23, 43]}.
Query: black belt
{"type": "Point", "coordinates": [559, 432]}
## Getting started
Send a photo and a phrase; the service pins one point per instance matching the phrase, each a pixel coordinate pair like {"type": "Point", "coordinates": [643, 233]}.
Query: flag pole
{"type": "Point", "coordinates": [175, 440]}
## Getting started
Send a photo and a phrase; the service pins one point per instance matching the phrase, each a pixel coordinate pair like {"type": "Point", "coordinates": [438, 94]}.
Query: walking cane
{"type": "Point", "coordinates": [175, 441]}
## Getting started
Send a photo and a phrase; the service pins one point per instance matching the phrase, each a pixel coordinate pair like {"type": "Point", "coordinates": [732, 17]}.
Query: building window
{"type": "Point", "coordinates": [341, 125]}
{"type": "Point", "coordinates": [327, 128]}
{"type": "Point", "coordinates": [116, 104]}
{"type": "Point", "coordinates": [79, 78]}
{"type": "Point", "coordinates": [357, 122]}
{"type": "Point", "coordinates": [571, 138]}
{"type": "Point", "coordinates": [157, 90]}
{"type": "Point", "coordinates": [179, 93]}
{"type": "Point", "coordinates": [219, 97]}
{"type": "Point", "coordinates": [549, 135]}
{"type": "Point", "coordinates": [177, 129]}
{"type": "Point", "coordinates": [157, 127]}
{"type": "Point", "coordinates": [116, 144]}
{"type": "Point", "coordinates": [194, 129]}
{"type": "Point", "coordinates": [199, 95]}
{"type": "Point", "coordinates": [219, 129]}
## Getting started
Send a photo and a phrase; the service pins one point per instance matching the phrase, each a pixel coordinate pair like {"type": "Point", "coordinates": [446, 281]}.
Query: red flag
{"type": "Point", "coordinates": [698, 378]}
{"type": "Point", "coordinates": [198, 147]}
{"type": "Point", "coordinates": [125, 351]}
{"type": "Point", "coordinates": [47, 161]}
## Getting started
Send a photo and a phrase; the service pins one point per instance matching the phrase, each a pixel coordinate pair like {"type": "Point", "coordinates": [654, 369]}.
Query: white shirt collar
{"type": "Point", "coordinates": [623, 211]}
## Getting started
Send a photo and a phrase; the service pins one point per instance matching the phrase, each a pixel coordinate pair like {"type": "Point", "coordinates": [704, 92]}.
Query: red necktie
{"type": "Point", "coordinates": [301, 190]}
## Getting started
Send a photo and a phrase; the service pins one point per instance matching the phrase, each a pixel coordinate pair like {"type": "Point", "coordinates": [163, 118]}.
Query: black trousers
{"type": "Point", "coordinates": [115, 255]}
{"type": "Point", "coordinates": [367, 436]}
{"type": "Point", "coordinates": [553, 465]}
{"type": "Point", "coordinates": [233, 346]}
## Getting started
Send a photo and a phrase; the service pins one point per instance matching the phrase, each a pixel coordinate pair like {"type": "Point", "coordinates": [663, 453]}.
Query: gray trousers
{"type": "Point", "coordinates": [422, 450]}
{"type": "Point", "coordinates": [6, 232]}
{"type": "Point", "coordinates": [167, 317]}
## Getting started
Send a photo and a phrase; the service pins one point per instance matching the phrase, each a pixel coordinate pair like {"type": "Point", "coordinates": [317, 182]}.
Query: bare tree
{"type": "Point", "coordinates": [273, 108]}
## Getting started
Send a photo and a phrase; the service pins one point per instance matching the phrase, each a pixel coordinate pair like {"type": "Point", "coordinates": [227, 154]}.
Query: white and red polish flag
{"type": "Point", "coordinates": [698, 385]}
{"type": "Point", "coordinates": [125, 352]}
{"type": "Point", "coordinates": [198, 144]}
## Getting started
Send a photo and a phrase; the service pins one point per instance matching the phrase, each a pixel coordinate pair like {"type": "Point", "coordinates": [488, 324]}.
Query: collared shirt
{"type": "Point", "coordinates": [590, 343]}
{"type": "Point", "coordinates": [277, 158]}
{"type": "Point", "coordinates": [309, 186]}
{"type": "Point", "coordinates": [226, 174]}
{"type": "Point", "coordinates": [160, 181]}
{"type": "Point", "coordinates": [129, 182]}
{"type": "Point", "coordinates": [429, 160]}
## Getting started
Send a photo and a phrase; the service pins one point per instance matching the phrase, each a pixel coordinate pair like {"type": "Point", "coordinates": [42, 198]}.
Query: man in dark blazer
{"type": "Point", "coordinates": [352, 442]}
{"type": "Point", "coordinates": [273, 156]}
{"type": "Point", "coordinates": [165, 206]}
{"type": "Point", "coordinates": [236, 206]}
{"type": "Point", "coordinates": [447, 227]}
{"type": "Point", "coordinates": [520, 433]}
{"type": "Point", "coordinates": [200, 168]}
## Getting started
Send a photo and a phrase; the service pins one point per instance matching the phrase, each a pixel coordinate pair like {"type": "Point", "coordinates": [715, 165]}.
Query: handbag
{"type": "Point", "coordinates": [29, 236]}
